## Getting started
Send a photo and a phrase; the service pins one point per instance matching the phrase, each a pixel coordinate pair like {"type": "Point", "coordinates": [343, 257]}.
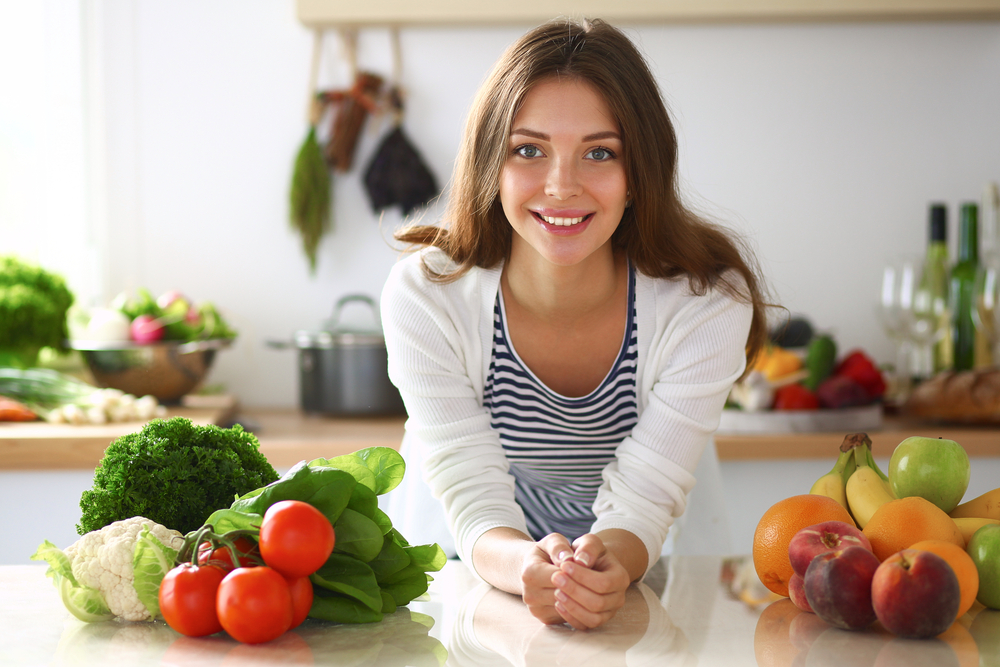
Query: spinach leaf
{"type": "Point", "coordinates": [389, 561]}
{"type": "Point", "coordinates": [328, 489]}
{"type": "Point", "coordinates": [364, 501]}
{"type": "Point", "coordinates": [351, 464]}
{"type": "Point", "coordinates": [357, 535]}
{"type": "Point", "coordinates": [388, 603]}
{"type": "Point", "coordinates": [225, 520]}
{"type": "Point", "coordinates": [430, 557]}
{"type": "Point", "coordinates": [383, 521]}
{"type": "Point", "coordinates": [329, 606]}
{"type": "Point", "coordinates": [387, 464]}
{"type": "Point", "coordinates": [349, 576]}
{"type": "Point", "coordinates": [409, 583]}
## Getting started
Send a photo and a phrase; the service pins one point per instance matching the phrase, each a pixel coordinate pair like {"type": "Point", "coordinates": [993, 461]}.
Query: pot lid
{"type": "Point", "coordinates": [334, 334]}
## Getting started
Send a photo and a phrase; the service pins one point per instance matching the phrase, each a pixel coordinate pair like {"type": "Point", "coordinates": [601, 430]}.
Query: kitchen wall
{"type": "Point", "coordinates": [821, 143]}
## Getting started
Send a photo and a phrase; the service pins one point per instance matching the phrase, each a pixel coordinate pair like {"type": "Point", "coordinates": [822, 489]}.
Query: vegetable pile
{"type": "Point", "coordinates": [144, 319]}
{"type": "Point", "coordinates": [174, 473]}
{"type": "Point", "coordinates": [63, 399]}
{"type": "Point", "coordinates": [312, 543]}
{"type": "Point", "coordinates": [33, 306]}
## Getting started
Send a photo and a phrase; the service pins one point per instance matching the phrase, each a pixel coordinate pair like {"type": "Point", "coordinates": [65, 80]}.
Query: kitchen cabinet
{"type": "Point", "coordinates": [333, 13]}
{"type": "Point", "coordinates": [683, 613]}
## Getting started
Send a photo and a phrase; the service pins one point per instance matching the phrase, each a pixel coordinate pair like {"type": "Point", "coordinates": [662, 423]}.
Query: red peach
{"type": "Point", "coordinates": [915, 594]}
{"type": "Point", "coordinates": [797, 593]}
{"type": "Point", "coordinates": [838, 587]}
{"type": "Point", "coordinates": [821, 538]}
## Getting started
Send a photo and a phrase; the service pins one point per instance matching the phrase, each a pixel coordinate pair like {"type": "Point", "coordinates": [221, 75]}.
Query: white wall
{"type": "Point", "coordinates": [822, 142]}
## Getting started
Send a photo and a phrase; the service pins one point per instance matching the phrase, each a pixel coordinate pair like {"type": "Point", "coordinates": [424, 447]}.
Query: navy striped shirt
{"type": "Point", "coordinates": [558, 446]}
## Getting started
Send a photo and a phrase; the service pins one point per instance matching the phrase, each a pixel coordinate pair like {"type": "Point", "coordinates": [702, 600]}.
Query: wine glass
{"type": "Point", "coordinates": [907, 317]}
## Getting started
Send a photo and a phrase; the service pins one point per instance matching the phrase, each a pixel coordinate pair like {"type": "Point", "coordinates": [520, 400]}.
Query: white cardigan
{"type": "Point", "coordinates": [439, 339]}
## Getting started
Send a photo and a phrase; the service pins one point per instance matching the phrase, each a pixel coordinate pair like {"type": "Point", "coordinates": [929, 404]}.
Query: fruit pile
{"type": "Point", "coordinates": [783, 379]}
{"type": "Point", "coordinates": [900, 549]}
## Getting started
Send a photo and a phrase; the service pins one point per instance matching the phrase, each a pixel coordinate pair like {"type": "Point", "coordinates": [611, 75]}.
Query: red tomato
{"type": "Point", "coordinates": [301, 590]}
{"type": "Point", "coordinates": [225, 557]}
{"type": "Point", "coordinates": [254, 604]}
{"type": "Point", "coordinates": [295, 538]}
{"type": "Point", "coordinates": [187, 599]}
{"type": "Point", "coordinates": [795, 397]}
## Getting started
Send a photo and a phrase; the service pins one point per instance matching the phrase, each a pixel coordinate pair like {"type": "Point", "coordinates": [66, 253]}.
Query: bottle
{"type": "Point", "coordinates": [931, 298]}
{"type": "Point", "coordinates": [970, 340]}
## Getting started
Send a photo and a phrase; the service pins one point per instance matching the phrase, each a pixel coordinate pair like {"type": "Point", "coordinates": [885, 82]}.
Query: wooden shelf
{"type": "Point", "coordinates": [335, 13]}
{"type": "Point", "coordinates": [288, 436]}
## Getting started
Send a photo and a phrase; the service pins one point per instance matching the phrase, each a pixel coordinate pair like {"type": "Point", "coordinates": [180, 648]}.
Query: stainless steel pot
{"type": "Point", "coordinates": [343, 371]}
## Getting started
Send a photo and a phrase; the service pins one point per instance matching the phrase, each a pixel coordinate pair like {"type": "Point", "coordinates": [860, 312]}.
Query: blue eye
{"type": "Point", "coordinates": [527, 151]}
{"type": "Point", "coordinates": [601, 154]}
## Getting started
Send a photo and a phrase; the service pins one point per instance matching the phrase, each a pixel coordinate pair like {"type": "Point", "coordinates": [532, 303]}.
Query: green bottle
{"type": "Point", "coordinates": [967, 336]}
{"type": "Point", "coordinates": [931, 299]}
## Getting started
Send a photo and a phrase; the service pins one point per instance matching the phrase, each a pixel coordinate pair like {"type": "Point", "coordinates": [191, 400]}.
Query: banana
{"type": "Point", "coordinates": [834, 483]}
{"type": "Point", "coordinates": [986, 506]}
{"type": "Point", "coordinates": [868, 488]}
{"type": "Point", "coordinates": [969, 525]}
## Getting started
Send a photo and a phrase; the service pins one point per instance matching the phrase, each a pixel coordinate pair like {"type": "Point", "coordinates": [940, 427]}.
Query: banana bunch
{"type": "Point", "coordinates": [856, 482]}
{"type": "Point", "coordinates": [972, 515]}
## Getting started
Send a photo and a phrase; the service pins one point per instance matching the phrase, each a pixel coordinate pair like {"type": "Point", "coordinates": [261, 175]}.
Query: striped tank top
{"type": "Point", "coordinates": [557, 446]}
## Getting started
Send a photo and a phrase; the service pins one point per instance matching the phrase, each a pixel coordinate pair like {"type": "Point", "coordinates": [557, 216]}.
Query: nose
{"type": "Point", "coordinates": [563, 180]}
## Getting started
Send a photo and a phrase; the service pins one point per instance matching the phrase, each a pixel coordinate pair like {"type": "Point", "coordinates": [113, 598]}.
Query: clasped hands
{"type": "Point", "coordinates": [582, 584]}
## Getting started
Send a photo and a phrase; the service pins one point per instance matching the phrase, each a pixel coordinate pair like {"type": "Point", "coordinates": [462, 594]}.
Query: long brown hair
{"type": "Point", "coordinates": [658, 234]}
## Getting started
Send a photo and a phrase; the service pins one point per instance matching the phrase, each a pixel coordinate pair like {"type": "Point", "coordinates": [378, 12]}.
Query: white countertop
{"type": "Point", "coordinates": [684, 615]}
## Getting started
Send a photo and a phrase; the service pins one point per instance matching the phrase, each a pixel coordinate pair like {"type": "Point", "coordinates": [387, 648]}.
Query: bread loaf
{"type": "Point", "coordinates": [965, 396]}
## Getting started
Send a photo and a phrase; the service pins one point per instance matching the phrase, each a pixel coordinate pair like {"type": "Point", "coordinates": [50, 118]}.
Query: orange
{"type": "Point", "coordinates": [777, 528]}
{"type": "Point", "coordinates": [904, 522]}
{"type": "Point", "coordinates": [961, 563]}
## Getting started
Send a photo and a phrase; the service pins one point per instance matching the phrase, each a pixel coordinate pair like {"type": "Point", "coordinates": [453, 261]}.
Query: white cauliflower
{"type": "Point", "coordinates": [102, 560]}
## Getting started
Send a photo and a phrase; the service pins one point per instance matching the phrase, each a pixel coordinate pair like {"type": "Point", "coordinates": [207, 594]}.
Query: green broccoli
{"type": "Point", "coordinates": [174, 473]}
{"type": "Point", "coordinates": [33, 305]}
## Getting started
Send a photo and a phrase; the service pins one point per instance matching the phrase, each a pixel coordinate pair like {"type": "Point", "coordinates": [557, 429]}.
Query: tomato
{"type": "Point", "coordinates": [301, 590]}
{"type": "Point", "coordinates": [295, 538]}
{"type": "Point", "coordinates": [187, 599]}
{"type": "Point", "coordinates": [254, 604]}
{"type": "Point", "coordinates": [795, 397]}
{"type": "Point", "coordinates": [224, 556]}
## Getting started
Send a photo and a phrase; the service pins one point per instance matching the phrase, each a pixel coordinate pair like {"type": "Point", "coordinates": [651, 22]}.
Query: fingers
{"type": "Point", "coordinates": [590, 596]}
{"type": "Point", "coordinates": [587, 549]}
{"type": "Point", "coordinates": [557, 547]}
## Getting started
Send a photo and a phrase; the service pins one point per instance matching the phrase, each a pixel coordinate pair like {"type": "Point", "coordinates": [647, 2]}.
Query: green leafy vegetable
{"type": "Point", "coordinates": [33, 307]}
{"type": "Point", "coordinates": [86, 603]}
{"type": "Point", "coordinates": [174, 473]}
{"type": "Point", "coordinates": [309, 196]}
{"type": "Point", "coordinates": [150, 563]}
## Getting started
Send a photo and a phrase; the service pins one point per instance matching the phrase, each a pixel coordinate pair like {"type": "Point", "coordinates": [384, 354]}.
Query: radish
{"type": "Point", "coordinates": [146, 329]}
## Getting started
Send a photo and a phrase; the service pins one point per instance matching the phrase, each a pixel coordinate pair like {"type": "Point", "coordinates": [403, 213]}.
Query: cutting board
{"type": "Point", "coordinates": [40, 445]}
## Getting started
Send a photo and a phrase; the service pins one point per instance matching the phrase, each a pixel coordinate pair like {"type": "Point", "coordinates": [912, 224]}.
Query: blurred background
{"type": "Point", "coordinates": [147, 144]}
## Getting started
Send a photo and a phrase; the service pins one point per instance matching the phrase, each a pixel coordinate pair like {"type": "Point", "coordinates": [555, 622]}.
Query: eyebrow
{"type": "Point", "coordinates": [607, 134]}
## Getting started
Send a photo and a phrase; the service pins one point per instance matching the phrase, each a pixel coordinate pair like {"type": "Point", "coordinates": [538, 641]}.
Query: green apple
{"type": "Point", "coordinates": [984, 547]}
{"type": "Point", "coordinates": [933, 468]}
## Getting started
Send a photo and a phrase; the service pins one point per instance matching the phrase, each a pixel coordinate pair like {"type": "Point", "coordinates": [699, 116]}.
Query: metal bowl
{"type": "Point", "coordinates": [167, 370]}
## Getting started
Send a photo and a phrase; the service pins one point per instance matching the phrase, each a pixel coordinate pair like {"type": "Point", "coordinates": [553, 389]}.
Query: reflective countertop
{"type": "Point", "coordinates": [703, 611]}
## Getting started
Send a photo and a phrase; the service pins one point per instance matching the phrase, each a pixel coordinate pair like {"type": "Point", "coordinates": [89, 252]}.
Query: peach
{"type": "Point", "coordinates": [915, 594]}
{"type": "Point", "coordinates": [820, 538]}
{"type": "Point", "coordinates": [797, 593]}
{"type": "Point", "coordinates": [838, 586]}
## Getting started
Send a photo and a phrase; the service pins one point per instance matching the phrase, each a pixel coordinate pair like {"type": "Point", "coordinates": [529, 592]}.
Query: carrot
{"type": "Point", "coordinates": [13, 411]}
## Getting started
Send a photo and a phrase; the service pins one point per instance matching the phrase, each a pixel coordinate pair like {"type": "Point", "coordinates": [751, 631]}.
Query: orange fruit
{"type": "Point", "coordinates": [901, 523]}
{"type": "Point", "coordinates": [961, 562]}
{"type": "Point", "coordinates": [777, 528]}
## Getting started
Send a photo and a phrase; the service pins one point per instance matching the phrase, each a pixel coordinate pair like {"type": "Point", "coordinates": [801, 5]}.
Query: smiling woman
{"type": "Point", "coordinates": [565, 344]}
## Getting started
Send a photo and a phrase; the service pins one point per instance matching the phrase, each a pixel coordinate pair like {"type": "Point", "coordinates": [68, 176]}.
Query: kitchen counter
{"type": "Point", "coordinates": [288, 436]}
{"type": "Point", "coordinates": [682, 615]}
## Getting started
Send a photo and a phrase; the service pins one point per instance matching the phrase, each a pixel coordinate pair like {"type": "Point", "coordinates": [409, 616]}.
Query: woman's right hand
{"type": "Point", "coordinates": [539, 566]}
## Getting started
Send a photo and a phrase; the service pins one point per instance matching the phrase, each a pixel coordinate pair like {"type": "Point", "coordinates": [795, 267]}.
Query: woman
{"type": "Point", "coordinates": [565, 346]}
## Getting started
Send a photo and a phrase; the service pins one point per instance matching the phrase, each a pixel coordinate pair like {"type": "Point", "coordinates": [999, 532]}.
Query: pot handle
{"type": "Point", "coordinates": [348, 298]}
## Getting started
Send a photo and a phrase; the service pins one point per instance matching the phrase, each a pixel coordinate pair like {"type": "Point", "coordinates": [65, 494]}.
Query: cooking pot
{"type": "Point", "coordinates": [343, 370]}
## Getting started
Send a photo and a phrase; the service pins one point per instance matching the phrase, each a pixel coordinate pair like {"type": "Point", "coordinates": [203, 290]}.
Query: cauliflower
{"type": "Point", "coordinates": [101, 567]}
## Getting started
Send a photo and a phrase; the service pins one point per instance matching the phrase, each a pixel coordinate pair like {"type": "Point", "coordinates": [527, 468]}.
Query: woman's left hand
{"type": "Point", "coordinates": [590, 586]}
